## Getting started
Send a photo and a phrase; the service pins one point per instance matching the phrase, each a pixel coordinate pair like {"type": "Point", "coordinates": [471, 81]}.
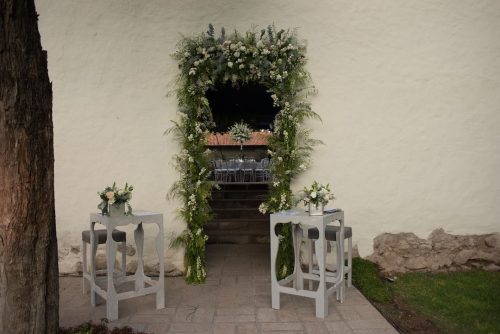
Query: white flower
{"type": "Point", "coordinates": [196, 63]}
{"type": "Point", "coordinates": [280, 159]}
{"type": "Point", "coordinates": [278, 77]}
{"type": "Point", "coordinates": [230, 64]}
{"type": "Point", "coordinates": [242, 66]}
{"type": "Point", "coordinates": [263, 208]}
{"type": "Point", "coordinates": [283, 272]}
{"type": "Point", "coordinates": [260, 44]}
{"type": "Point", "coordinates": [190, 159]}
{"type": "Point", "coordinates": [313, 194]}
{"type": "Point", "coordinates": [190, 137]}
{"type": "Point", "coordinates": [237, 54]}
{"type": "Point", "coordinates": [192, 71]}
{"type": "Point", "coordinates": [276, 183]}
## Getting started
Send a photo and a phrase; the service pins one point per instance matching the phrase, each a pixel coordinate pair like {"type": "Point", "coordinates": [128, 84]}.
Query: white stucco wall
{"type": "Point", "coordinates": [409, 93]}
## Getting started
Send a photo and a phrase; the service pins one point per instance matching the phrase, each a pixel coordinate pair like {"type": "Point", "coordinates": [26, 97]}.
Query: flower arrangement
{"type": "Point", "coordinates": [274, 58]}
{"type": "Point", "coordinates": [115, 197]}
{"type": "Point", "coordinates": [240, 132]}
{"type": "Point", "coordinates": [316, 195]}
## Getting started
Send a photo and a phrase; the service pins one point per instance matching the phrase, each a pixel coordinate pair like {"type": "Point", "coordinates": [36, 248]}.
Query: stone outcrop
{"type": "Point", "coordinates": [441, 251]}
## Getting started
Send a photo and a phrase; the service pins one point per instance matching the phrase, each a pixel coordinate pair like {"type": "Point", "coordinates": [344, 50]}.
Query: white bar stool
{"type": "Point", "coordinates": [332, 234]}
{"type": "Point", "coordinates": [100, 236]}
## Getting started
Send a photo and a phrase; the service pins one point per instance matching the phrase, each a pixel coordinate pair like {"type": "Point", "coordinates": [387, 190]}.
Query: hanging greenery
{"type": "Point", "coordinates": [270, 57]}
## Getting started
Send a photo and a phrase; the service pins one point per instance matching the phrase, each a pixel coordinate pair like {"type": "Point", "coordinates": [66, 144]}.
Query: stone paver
{"type": "Point", "coordinates": [236, 299]}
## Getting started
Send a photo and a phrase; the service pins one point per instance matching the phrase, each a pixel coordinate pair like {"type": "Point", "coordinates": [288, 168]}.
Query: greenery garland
{"type": "Point", "coordinates": [273, 58]}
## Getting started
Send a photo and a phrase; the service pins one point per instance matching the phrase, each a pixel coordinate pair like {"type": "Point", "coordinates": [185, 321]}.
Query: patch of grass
{"type": "Point", "coordinates": [365, 276]}
{"type": "Point", "coordinates": [460, 302]}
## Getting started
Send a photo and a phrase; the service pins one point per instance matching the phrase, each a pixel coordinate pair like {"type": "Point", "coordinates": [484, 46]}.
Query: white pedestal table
{"type": "Point", "coordinates": [143, 284]}
{"type": "Point", "coordinates": [300, 219]}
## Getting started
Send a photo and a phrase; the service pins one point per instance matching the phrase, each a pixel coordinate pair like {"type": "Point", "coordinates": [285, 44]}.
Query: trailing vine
{"type": "Point", "coordinates": [270, 57]}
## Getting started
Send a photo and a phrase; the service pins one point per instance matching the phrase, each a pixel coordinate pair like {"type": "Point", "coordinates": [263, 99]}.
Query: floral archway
{"type": "Point", "coordinates": [272, 58]}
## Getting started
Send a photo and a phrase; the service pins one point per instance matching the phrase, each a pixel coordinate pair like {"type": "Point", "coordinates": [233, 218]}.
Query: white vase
{"type": "Point", "coordinates": [316, 210]}
{"type": "Point", "coordinates": [116, 209]}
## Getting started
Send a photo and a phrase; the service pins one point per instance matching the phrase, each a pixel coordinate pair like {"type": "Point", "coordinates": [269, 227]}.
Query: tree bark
{"type": "Point", "coordinates": [29, 285]}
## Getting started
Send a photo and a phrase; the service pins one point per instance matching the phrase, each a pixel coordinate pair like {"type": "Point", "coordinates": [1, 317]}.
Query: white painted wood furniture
{"type": "Point", "coordinates": [143, 284]}
{"type": "Point", "coordinates": [300, 219]}
{"type": "Point", "coordinates": [332, 234]}
{"type": "Point", "coordinates": [101, 236]}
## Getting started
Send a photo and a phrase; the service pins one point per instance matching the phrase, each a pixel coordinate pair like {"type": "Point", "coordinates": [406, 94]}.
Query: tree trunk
{"type": "Point", "coordinates": [29, 295]}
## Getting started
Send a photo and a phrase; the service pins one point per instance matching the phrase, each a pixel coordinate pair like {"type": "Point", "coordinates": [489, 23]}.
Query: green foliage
{"type": "Point", "coordinates": [115, 196]}
{"type": "Point", "coordinates": [240, 132]}
{"type": "Point", "coordinates": [459, 302]}
{"type": "Point", "coordinates": [366, 278]}
{"type": "Point", "coordinates": [274, 59]}
{"type": "Point", "coordinates": [316, 194]}
{"type": "Point", "coordinates": [98, 328]}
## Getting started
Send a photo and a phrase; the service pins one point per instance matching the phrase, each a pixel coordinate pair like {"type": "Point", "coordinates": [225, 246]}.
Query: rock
{"type": "Point", "coordinates": [131, 266]}
{"type": "Point", "coordinates": [416, 263]}
{"type": "Point", "coordinates": [492, 267]}
{"type": "Point", "coordinates": [463, 256]}
{"type": "Point", "coordinates": [493, 240]}
{"type": "Point", "coordinates": [75, 249]}
{"type": "Point", "coordinates": [403, 252]}
{"type": "Point", "coordinates": [129, 249]}
{"type": "Point", "coordinates": [79, 267]}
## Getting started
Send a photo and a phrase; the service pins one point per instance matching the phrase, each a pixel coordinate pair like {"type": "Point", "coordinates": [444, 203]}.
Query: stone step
{"type": "Point", "coordinates": [238, 213]}
{"type": "Point", "coordinates": [238, 203]}
{"type": "Point", "coordinates": [231, 224]}
{"type": "Point", "coordinates": [239, 194]}
{"type": "Point", "coordinates": [242, 236]}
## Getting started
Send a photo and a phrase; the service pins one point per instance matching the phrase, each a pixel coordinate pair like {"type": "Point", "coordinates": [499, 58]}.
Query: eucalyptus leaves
{"type": "Point", "coordinates": [272, 58]}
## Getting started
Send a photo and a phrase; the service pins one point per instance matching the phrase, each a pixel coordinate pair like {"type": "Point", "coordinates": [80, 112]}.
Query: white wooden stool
{"type": "Point", "coordinates": [332, 234]}
{"type": "Point", "coordinates": [100, 236]}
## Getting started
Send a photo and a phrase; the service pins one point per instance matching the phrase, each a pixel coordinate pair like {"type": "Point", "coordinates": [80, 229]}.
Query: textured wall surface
{"type": "Point", "coordinates": [409, 94]}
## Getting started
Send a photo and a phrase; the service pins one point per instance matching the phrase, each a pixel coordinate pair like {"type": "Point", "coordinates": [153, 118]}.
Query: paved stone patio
{"type": "Point", "coordinates": [235, 299]}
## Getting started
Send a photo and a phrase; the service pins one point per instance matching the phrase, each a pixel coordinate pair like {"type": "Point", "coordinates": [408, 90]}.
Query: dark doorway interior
{"type": "Point", "coordinates": [235, 204]}
{"type": "Point", "coordinates": [250, 103]}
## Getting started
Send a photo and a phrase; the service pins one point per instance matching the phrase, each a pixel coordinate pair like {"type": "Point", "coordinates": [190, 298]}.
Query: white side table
{"type": "Point", "coordinates": [297, 218]}
{"type": "Point", "coordinates": [143, 284]}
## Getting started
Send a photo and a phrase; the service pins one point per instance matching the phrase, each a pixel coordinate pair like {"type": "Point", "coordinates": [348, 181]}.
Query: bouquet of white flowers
{"type": "Point", "coordinates": [316, 195]}
{"type": "Point", "coordinates": [115, 197]}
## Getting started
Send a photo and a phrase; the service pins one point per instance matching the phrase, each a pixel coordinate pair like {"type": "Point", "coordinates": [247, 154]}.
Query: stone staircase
{"type": "Point", "coordinates": [237, 218]}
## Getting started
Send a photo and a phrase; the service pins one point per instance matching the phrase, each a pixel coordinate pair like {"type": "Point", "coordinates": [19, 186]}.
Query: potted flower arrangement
{"type": "Point", "coordinates": [115, 201]}
{"type": "Point", "coordinates": [316, 197]}
{"type": "Point", "coordinates": [240, 132]}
